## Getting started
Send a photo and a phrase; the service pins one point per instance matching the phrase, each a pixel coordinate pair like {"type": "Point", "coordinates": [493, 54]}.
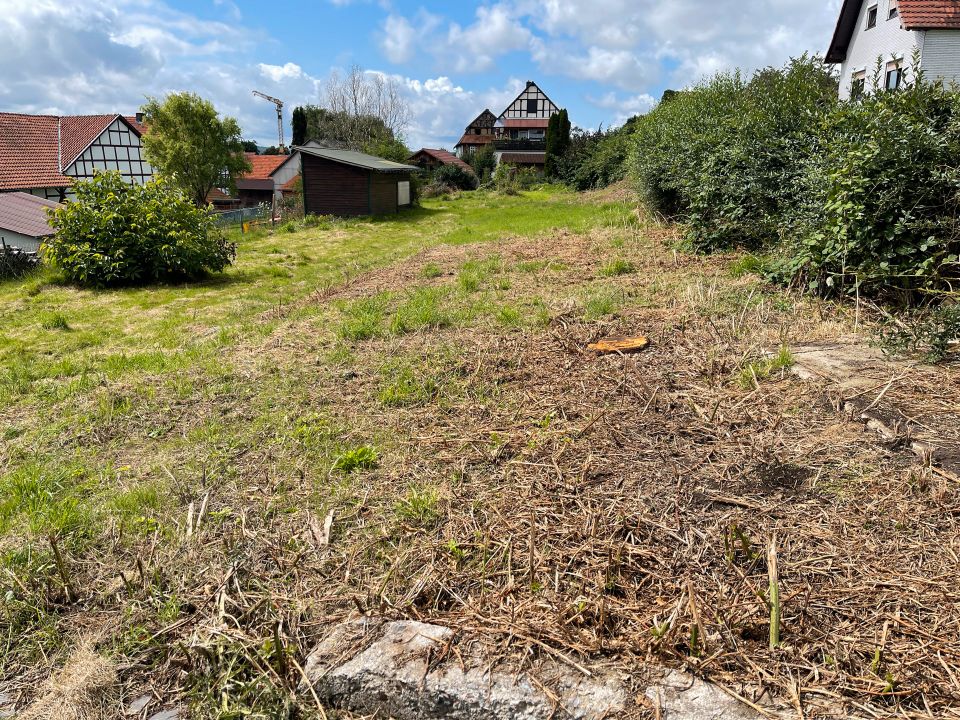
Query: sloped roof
{"type": "Point", "coordinates": [358, 159]}
{"type": "Point", "coordinates": [34, 148]}
{"type": "Point", "coordinates": [914, 15]}
{"type": "Point", "coordinates": [263, 165]}
{"type": "Point", "coordinates": [524, 158]}
{"type": "Point", "coordinates": [930, 14]}
{"type": "Point", "coordinates": [136, 124]}
{"type": "Point", "coordinates": [25, 214]}
{"type": "Point", "coordinates": [523, 122]}
{"type": "Point", "coordinates": [469, 139]}
{"type": "Point", "coordinates": [444, 156]}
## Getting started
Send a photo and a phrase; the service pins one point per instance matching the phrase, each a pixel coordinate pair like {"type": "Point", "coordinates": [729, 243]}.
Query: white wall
{"type": "Point", "coordinates": [287, 172]}
{"type": "Point", "coordinates": [887, 41]}
{"type": "Point", "coordinates": [117, 148]}
{"type": "Point", "coordinates": [24, 242]}
{"type": "Point", "coordinates": [941, 55]}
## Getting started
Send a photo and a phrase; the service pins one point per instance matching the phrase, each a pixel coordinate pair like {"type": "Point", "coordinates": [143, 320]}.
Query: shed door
{"type": "Point", "coordinates": [403, 193]}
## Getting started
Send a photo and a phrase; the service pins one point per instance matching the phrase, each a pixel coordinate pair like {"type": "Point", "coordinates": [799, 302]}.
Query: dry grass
{"type": "Point", "coordinates": [611, 511]}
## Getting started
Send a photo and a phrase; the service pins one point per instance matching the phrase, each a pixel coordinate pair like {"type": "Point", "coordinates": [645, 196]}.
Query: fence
{"type": "Point", "coordinates": [244, 217]}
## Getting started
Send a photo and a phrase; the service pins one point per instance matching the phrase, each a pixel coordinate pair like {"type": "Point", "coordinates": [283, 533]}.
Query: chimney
{"type": "Point", "coordinates": [530, 82]}
{"type": "Point", "coordinates": [139, 117]}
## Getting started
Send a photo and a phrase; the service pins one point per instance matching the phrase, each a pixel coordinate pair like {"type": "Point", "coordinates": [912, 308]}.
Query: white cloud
{"type": "Point", "coordinates": [496, 32]}
{"type": "Point", "coordinates": [399, 38]}
{"type": "Point", "coordinates": [278, 73]}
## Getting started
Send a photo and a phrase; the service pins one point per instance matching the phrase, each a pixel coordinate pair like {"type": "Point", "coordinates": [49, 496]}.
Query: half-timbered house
{"type": "Point", "coordinates": [44, 154]}
{"type": "Point", "coordinates": [477, 134]}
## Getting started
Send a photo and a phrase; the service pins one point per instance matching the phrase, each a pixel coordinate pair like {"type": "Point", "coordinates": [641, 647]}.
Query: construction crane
{"type": "Point", "coordinates": [279, 104]}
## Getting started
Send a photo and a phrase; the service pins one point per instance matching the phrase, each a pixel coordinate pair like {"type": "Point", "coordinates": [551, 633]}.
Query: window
{"type": "Point", "coordinates": [871, 17]}
{"type": "Point", "coordinates": [894, 76]}
{"type": "Point", "coordinates": [894, 9]}
{"type": "Point", "coordinates": [532, 107]}
{"type": "Point", "coordinates": [476, 131]}
{"type": "Point", "coordinates": [858, 85]}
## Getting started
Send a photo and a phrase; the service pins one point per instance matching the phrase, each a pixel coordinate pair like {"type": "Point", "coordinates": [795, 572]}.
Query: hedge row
{"type": "Point", "coordinates": [859, 196]}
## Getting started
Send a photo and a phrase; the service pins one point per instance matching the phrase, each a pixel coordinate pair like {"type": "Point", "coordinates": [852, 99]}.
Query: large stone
{"type": "Point", "coordinates": [680, 696]}
{"type": "Point", "coordinates": [403, 670]}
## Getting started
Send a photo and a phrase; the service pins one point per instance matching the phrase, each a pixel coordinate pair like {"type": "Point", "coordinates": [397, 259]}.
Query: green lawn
{"type": "Point", "coordinates": [120, 405]}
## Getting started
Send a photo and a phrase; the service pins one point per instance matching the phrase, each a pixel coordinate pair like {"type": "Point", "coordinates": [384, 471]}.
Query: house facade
{"type": "Point", "coordinates": [519, 134]}
{"type": "Point", "coordinates": [891, 32]}
{"type": "Point", "coordinates": [477, 134]}
{"type": "Point", "coordinates": [44, 154]}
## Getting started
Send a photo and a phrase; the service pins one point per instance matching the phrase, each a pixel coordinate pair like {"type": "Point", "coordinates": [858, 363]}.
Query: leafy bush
{"type": "Point", "coordinates": [596, 159]}
{"type": "Point", "coordinates": [483, 161]}
{"type": "Point", "coordinates": [729, 156]}
{"type": "Point", "coordinates": [510, 179]}
{"type": "Point", "coordinates": [931, 333]}
{"type": "Point", "coordinates": [885, 197]}
{"type": "Point", "coordinates": [115, 234]}
{"type": "Point", "coordinates": [455, 176]}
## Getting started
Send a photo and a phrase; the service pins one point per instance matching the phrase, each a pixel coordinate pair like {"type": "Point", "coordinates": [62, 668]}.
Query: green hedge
{"type": "Point", "coordinates": [856, 196]}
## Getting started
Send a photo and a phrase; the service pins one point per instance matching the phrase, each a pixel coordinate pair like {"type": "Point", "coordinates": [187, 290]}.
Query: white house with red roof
{"type": "Point", "coordinates": [891, 32]}
{"type": "Point", "coordinates": [44, 154]}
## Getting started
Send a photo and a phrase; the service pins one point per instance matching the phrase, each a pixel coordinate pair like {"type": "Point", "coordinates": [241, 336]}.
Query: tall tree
{"type": "Point", "coordinates": [558, 141]}
{"type": "Point", "coordinates": [299, 126]}
{"type": "Point", "coordinates": [191, 145]}
{"type": "Point", "coordinates": [250, 146]}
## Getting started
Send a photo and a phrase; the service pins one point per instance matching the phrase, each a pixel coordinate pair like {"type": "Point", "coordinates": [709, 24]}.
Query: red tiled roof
{"type": "Point", "coordinates": [444, 156]}
{"type": "Point", "coordinates": [524, 158]}
{"type": "Point", "coordinates": [25, 214]}
{"type": "Point", "coordinates": [930, 14]}
{"type": "Point", "coordinates": [29, 153]}
{"type": "Point", "coordinates": [469, 139]}
{"type": "Point", "coordinates": [138, 126]}
{"type": "Point", "coordinates": [263, 165]}
{"type": "Point", "coordinates": [291, 184]}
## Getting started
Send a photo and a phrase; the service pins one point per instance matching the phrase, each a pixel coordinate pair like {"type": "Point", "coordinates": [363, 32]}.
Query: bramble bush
{"type": "Point", "coordinates": [120, 234]}
{"type": "Point", "coordinates": [455, 177]}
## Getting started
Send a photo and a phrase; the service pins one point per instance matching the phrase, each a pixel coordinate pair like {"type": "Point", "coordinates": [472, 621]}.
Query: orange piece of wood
{"type": "Point", "coordinates": [619, 345]}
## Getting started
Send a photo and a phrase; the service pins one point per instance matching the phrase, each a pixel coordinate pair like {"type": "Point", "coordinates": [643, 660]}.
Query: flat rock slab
{"type": "Point", "coordinates": [401, 670]}
{"type": "Point", "coordinates": [844, 362]}
{"type": "Point", "coordinates": [410, 670]}
{"type": "Point", "coordinates": [680, 696]}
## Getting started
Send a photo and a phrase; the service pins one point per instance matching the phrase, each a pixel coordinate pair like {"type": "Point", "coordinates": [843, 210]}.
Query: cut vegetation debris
{"type": "Point", "coordinates": [481, 470]}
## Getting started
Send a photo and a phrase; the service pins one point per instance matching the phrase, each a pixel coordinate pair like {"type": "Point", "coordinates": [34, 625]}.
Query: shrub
{"type": "Point", "coordinates": [884, 216]}
{"type": "Point", "coordinates": [596, 159]}
{"type": "Point", "coordinates": [455, 176]}
{"type": "Point", "coordinates": [115, 234]}
{"type": "Point", "coordinates": [729, 157]}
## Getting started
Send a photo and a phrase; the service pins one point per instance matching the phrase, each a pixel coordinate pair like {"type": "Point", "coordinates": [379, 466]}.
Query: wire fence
{"type": "Point", "coordinates": [245, 218]}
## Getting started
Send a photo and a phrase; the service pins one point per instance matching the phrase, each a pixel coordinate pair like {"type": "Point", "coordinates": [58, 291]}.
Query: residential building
{"type": "Point", "coordinates": [44, 154]}
{"type": "Point", "coordinates": [430, 159]}
{"type": "Point", "coordinates": [891, 32]}
{"type": "Point", "coordinates": [348, 183]}
{"type": "Point", "coordinates": [477, 134]}
{"type": "Point", "coordinates": [23, 220]}
{"type": "Point", "coordinates": [519, 134]}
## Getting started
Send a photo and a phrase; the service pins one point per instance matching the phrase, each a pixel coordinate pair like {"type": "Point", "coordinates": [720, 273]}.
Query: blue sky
{"type": "Point", "coordinates": [604, 60]}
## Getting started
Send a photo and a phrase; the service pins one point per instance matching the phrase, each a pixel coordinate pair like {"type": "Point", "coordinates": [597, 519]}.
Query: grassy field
{"type": "Point", "coordinates": [400, 417]}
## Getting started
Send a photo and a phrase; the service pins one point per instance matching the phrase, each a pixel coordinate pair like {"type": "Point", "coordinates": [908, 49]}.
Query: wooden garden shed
{"type": "Point", "coordinates": [348, 183]}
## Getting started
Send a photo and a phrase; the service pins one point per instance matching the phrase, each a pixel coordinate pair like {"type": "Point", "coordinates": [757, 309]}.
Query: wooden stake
{"type": "Point", "coordinates": [774, 576]}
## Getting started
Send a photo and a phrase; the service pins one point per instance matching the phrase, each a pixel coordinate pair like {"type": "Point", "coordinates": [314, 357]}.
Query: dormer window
{"type": "Point", "coordinates": [894, 9]}
{"type": "Point", "coordinates": [872, 17]}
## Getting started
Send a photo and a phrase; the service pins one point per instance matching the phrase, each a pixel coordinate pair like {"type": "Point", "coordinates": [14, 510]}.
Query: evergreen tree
{"type": "Point", "coordinates": [299, 126]}
{"type": "Point", "coordinates": [558, 141]}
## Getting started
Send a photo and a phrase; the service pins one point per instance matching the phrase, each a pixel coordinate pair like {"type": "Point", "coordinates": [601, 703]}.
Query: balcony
{"type": "Point", "coordinates": [520, 146]}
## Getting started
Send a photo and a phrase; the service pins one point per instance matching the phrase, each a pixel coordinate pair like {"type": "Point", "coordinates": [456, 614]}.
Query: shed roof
{"type": "Point", "coordinates": [914, 15]}
{"type": "Point", "coordinates": [25, 214]}
{"type": "Point", "coordinates": [444, 156]}
{"type": "Point", "coordinates": [358, 159]}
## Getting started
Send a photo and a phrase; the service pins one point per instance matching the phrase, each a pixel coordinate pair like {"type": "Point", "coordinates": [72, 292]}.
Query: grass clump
{"type": "Point", "coordinates": [420, 506]}
{"type": "Point", "coordinates": [403, 388]}
{"type": "Point", "coordinates": [54, 321]}
{"type": "Point", "coordinates": [760, 370]}
{"type": "Point", "coordinates": [601, 303]}
{"type": "Point", "coordinates": [431, 271]}
{"type": "Point", "coordinates": [363, 457]}
{"type": "Point", "coordinates": [474, 273]}
{"type": "Point", "coordinates": [364, 318]}
{"type": "Point", "coordinates": [423, 309]}
{"type": "Point", "coordinates": [618, 267]}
